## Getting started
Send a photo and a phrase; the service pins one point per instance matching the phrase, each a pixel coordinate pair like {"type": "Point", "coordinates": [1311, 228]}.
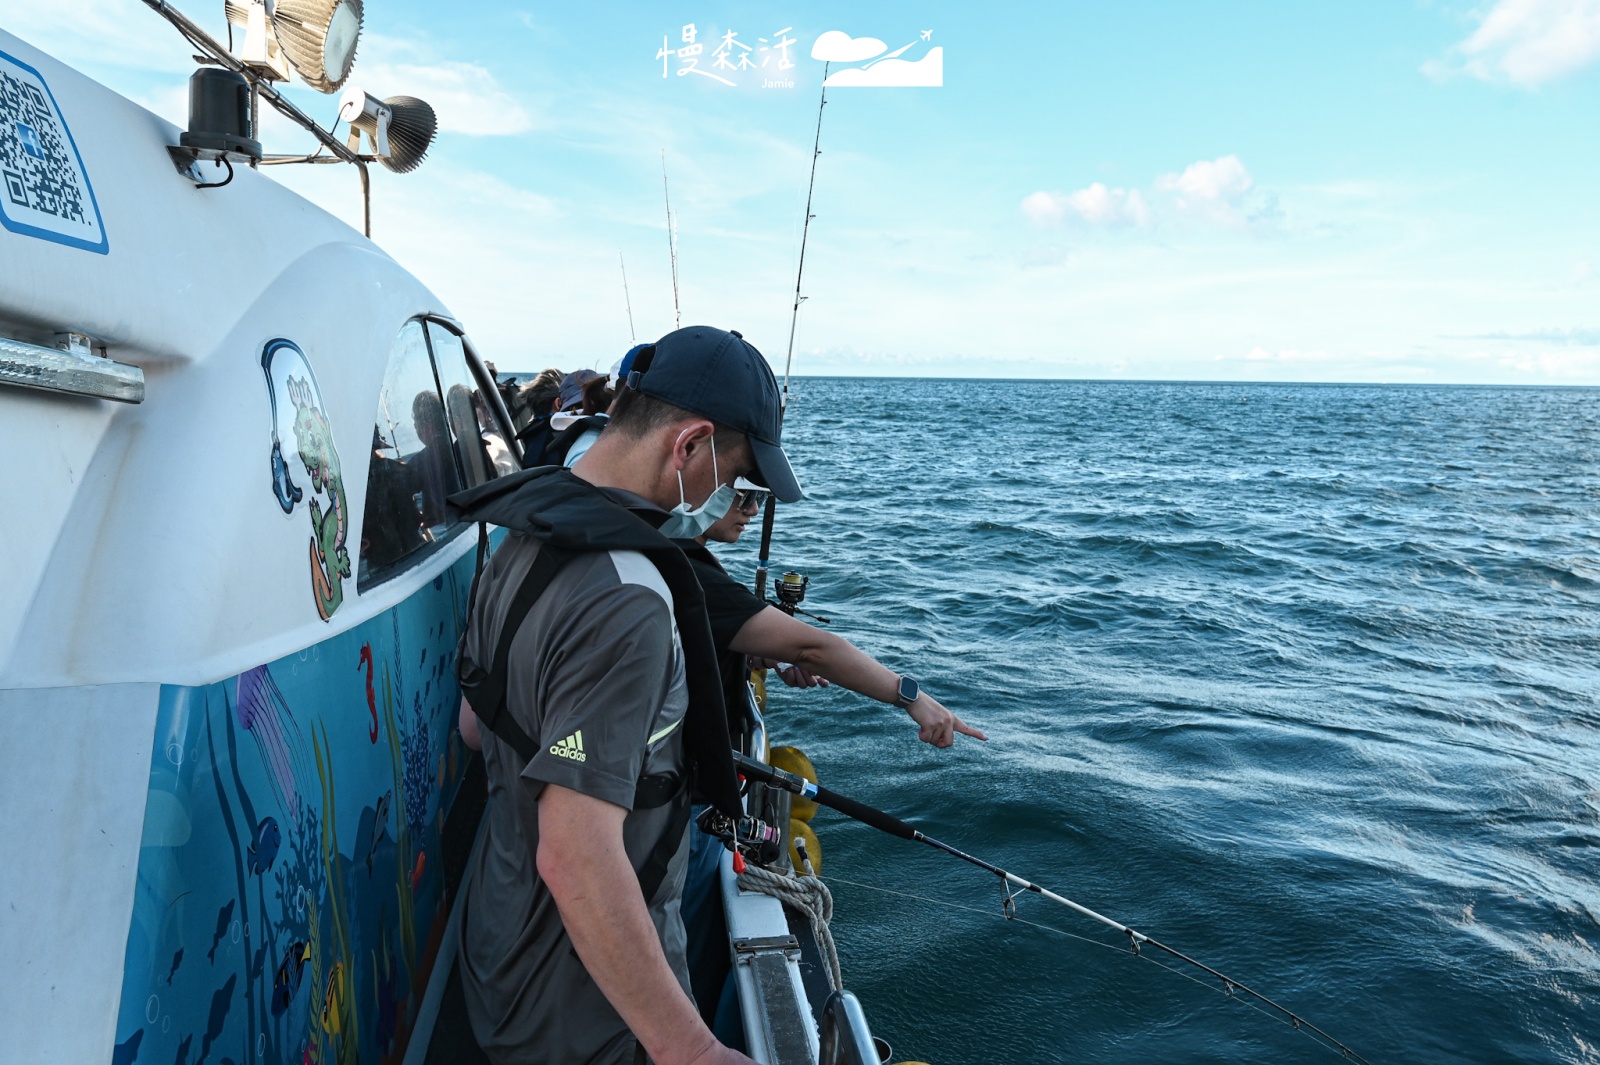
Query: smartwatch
{"type": "Point", "coordinates": [907, 693]}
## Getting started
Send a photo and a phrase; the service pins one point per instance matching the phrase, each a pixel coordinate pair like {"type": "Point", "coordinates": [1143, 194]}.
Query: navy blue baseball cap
{"type": "Point", "coordinates": [720, 375]}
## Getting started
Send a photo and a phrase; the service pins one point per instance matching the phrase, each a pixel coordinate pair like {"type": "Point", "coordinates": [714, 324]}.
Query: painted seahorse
{"type": "Point", "coordinates": [330, 560]}
{"type": "Point", "coordinates": [372, 702]}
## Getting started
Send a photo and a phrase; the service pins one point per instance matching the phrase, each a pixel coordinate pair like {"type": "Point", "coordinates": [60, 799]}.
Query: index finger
{"type": "Point", "coordinates": [967, 730]}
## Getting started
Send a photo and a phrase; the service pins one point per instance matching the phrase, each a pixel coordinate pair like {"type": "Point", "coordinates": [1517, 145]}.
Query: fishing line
{"type": "Point", "coordinates": [1093, 943]}
{"type": "Point", "coordinates": [895, 827]}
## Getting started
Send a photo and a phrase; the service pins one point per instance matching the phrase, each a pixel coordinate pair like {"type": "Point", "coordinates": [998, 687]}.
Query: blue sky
{"type": "Point", "coordinates": [1353, 191]}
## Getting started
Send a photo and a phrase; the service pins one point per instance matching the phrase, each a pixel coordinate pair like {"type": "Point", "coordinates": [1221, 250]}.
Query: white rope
{"type": "Point", "coordinates": [810, 896]}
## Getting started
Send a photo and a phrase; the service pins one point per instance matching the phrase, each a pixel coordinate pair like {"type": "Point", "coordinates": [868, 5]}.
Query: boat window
{"type": "Point", "coordinates": [413, 467]}
{"type": "Point", "coordinates": [479, 438]}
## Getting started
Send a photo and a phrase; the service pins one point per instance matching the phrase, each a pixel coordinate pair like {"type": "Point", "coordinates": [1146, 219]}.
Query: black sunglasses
{"type": "Point", "coordinates": [746, 498]}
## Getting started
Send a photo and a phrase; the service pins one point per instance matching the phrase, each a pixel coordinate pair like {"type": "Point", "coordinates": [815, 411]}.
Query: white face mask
{"type": "Point", "coordinates": [685, 522]}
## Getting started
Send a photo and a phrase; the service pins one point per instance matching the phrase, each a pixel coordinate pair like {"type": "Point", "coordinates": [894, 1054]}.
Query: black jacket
{"type": "Point", "coordinates": [573, 516]}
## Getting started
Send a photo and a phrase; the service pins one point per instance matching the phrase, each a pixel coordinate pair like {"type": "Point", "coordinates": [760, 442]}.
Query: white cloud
{"type": "Point", "coordinates": [1528, 42]}
{"type": "Point", "coordinates": [1096, 205]}
{"type": "Point", "coordinates": [1566, 366]}
{"type": "Point", "coordinates": [1285, 355]}
{"type": "Point", "coordinates": [837, 46]}
{"type": "Point", "coordinates": [1212, 189]}
{"type": "Point", "coordinates": [95, 33]}
{"type": "Point", "coordinates": [466, 97]}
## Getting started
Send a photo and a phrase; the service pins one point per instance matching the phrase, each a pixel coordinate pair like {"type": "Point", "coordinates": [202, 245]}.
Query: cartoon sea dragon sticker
{"type": "Point", "coordinates": [304, 419]}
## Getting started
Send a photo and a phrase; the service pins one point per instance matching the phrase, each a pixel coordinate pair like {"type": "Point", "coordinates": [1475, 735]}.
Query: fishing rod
{"type": "Point", "coordinates": [672, 243]}
{"type": "Point", "coordinates": [805, 231]}
{"type": "Point", "coordinates": [883, 822]}
{"type": "Point", "coordinates": [770, 515]}
{"type": "Point", "coordinates": [633, 338]}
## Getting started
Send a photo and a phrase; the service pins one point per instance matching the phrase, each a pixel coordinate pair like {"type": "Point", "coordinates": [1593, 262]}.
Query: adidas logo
{"type": "Point", "coordinates": [571, 747]}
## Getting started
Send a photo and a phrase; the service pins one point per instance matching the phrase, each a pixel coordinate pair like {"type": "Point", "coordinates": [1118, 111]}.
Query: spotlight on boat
{"type": "Point", "coordinates": [315, 38]}
{"type": "Point", "coordinates": [400, 129]}
{"type": "Point", "coordinates": [319, 37]}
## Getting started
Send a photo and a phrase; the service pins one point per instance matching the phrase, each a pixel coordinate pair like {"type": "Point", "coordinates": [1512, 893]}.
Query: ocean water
{"type": "Point", "coordinates": [1302, 680]}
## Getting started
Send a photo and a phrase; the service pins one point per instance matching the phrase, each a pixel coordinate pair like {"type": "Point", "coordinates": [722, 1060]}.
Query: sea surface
{"type": "Point", "coordinates": [1301, 680]}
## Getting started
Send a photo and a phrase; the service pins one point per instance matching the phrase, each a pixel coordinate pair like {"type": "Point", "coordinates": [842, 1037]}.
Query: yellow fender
{"type": "Point", "coordinates": [794, 760]}
{"type": "Point", "coordinates": [800, 830]}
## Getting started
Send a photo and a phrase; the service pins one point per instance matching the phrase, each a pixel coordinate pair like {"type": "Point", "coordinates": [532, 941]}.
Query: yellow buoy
{"type": "Point", "coordinates": [800, 830]}
{"type": "Point", "coordinates": [794, 760]}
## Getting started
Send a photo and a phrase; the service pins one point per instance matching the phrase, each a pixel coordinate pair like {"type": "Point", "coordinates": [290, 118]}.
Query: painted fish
{"type": "Point", "coordinates": [290, 973]}
{"type": "Point", "coordinates": [127, 1050]}
{"type": "Point", "coordinates": [380, 826]}
{"type": "Point", "coordinates": [264, 848]}
{"type": "Point", "coordinates": [183, 1050]}
{"type": "Point", "coordinates": [221, 1003]}
{"type": "Point", "coordinates": [177, 960]}
{"type": "Point", "coordinates": [333, 1000]}
{"type": "Point", "coordinates": [224, 918]}
{"type": "Point", "coordinates": [420, 868]}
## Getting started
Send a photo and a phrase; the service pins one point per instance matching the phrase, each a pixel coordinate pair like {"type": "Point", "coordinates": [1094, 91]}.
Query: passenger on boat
{"type": "Point", "coordinates": [535, 404]}
{"type": "Point", "coordinates": [434, 465]}
{"type": "Point", "coordinates": [567, 954]}
{"type": "Point", "coordinates": [572, 389]}
{"type": "Point", "coordinates": [392, 526]}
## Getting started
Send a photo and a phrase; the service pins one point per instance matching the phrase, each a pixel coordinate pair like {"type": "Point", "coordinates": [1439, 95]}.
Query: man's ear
{"type": "Point", "coordinates": [689, 438]}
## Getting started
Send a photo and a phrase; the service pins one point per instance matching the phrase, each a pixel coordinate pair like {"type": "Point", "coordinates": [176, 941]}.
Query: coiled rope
{"type": "Point", "coordinates": [807, 894]}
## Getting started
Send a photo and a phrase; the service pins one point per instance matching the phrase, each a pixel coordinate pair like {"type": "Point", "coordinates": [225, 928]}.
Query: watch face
{"type": "Point", "coordinates": [908, 690]}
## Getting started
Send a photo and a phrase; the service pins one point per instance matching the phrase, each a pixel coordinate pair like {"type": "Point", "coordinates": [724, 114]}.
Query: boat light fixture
{"type": "Point", "coordinates": [400, 129]}
{"type": "Point", "coordinates": [315, 38]}
{"type": "Point", "coordinates": [319, 37]}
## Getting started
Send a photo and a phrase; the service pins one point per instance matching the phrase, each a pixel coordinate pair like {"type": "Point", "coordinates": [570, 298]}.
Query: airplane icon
{"type": "Point", "coordinates": [927, 35]}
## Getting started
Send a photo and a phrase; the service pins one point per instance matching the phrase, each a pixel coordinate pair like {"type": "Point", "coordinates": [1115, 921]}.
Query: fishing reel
{"type": "Point", "coordinates": [790, 590]}
{"type": "Point", "coordinates": [744, 835]}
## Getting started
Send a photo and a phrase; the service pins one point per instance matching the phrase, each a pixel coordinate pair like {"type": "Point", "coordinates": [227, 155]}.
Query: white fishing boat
{"type": "Point", "coordinates": [238, 807]}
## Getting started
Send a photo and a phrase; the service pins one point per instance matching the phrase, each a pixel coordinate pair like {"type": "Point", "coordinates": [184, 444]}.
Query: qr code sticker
{"type": "Point", "coordinates": [46, 192]}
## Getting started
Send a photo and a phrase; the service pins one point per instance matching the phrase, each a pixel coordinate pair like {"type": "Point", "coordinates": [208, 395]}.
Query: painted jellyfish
{"type": "Point", "coordinates": [264, 714]}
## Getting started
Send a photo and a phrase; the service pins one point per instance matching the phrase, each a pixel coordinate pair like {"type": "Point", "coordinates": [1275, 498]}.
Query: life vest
{"type": "Point", "coordinates": [570, 517]}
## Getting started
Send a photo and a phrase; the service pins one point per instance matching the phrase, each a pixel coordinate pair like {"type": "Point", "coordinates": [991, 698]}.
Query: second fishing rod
{"type": "Point", "coordinates": [884, 822]}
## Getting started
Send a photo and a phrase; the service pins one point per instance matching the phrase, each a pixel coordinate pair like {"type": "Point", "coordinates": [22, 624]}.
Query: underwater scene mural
{"type": "Point", "coordinates": [289, 902]}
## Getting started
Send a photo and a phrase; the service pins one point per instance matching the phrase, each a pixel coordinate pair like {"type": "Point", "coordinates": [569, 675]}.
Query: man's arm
{"type": "Point", "coordinates": [774, 634]}
{"type": "Point", "coordinates": [582, 861]}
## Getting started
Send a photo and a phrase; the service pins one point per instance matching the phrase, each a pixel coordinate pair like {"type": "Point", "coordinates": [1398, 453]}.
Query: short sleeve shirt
{"type": "Point", "coordinates": [596, 679]}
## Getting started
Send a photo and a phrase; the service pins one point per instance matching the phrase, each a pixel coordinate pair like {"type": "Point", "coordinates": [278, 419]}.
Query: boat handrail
{"type": "Point", "coordinates": [845, 1037]}
{"type": "Point", "coordinates": [69, 371]}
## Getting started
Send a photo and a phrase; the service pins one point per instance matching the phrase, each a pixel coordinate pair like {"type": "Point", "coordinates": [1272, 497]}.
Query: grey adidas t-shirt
{"type": "Point", "coordinates": [596, 679]}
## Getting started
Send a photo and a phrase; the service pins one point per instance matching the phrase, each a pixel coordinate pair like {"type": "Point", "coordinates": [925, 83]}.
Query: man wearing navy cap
{"type": "Point", "coordinates": [603, 703]}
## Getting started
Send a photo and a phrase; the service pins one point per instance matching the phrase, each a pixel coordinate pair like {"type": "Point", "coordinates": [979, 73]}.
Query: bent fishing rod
{"type": "Point", "coordinates": [883, 822]}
